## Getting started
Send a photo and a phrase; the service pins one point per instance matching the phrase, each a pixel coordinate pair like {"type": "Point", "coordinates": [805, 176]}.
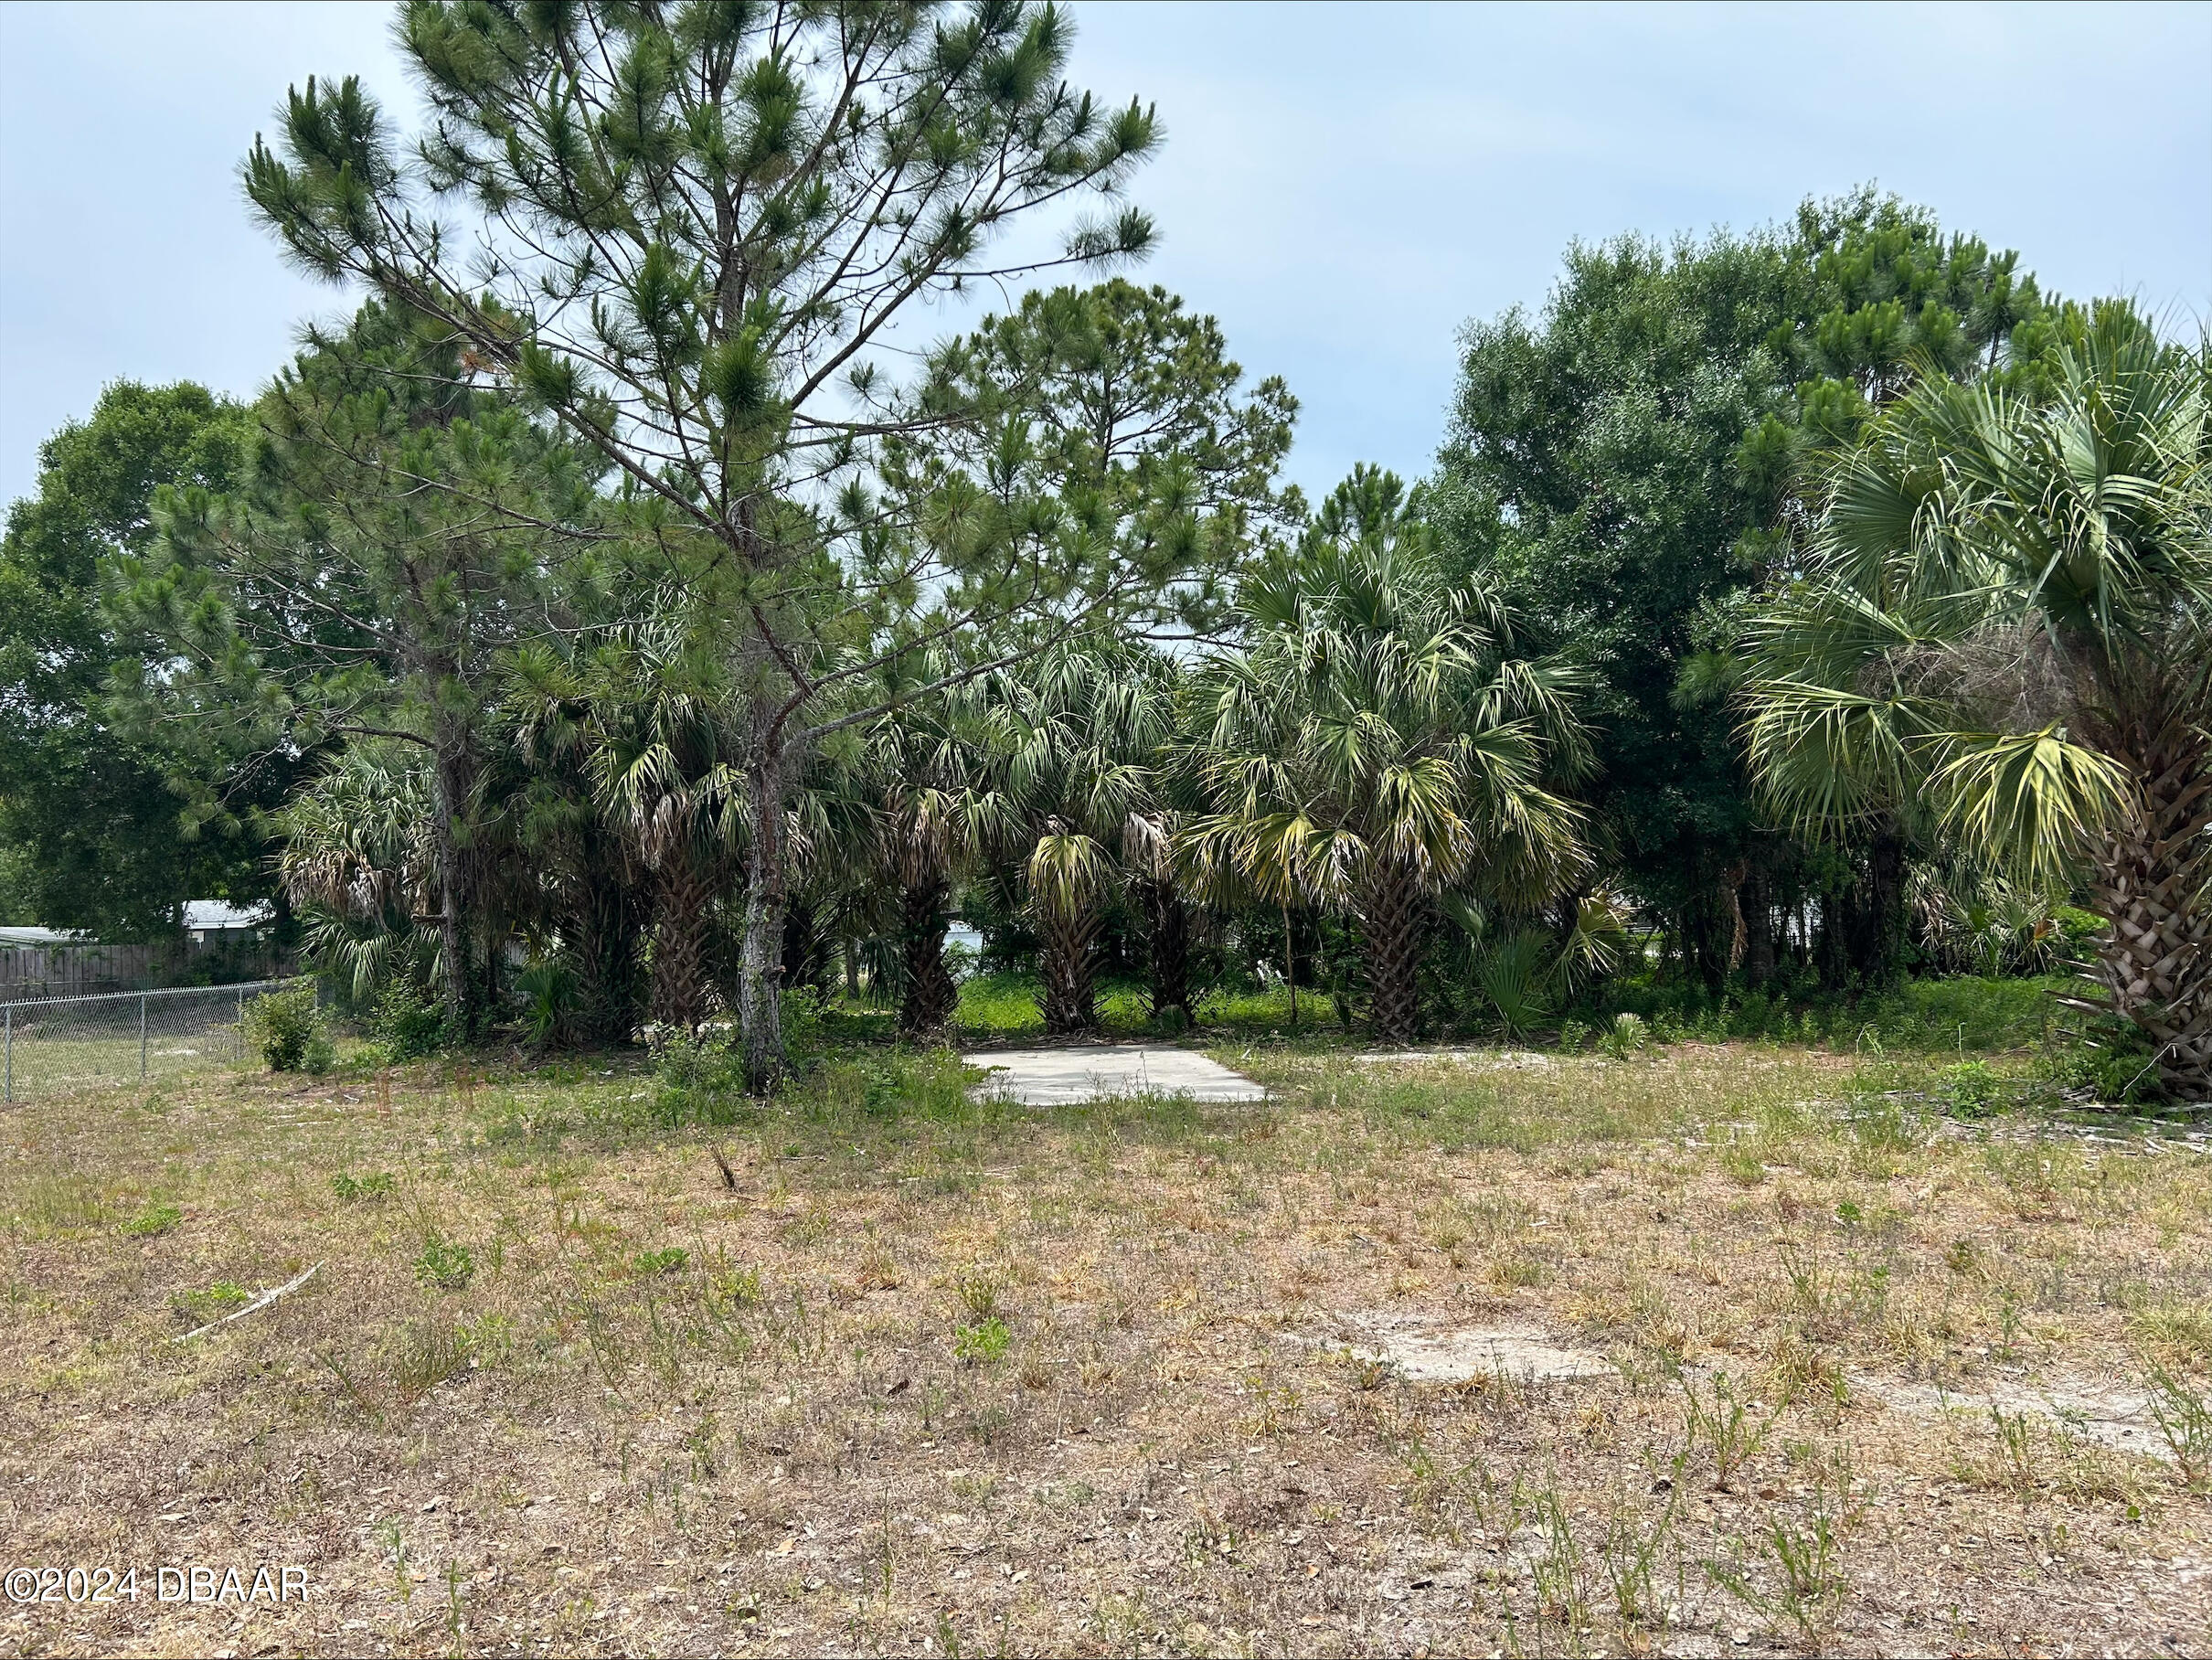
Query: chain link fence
{"type": "Point", "coordinates": [51, 1044]}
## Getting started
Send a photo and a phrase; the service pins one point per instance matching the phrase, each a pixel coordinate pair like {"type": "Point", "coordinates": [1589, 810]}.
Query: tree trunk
{"type": "Point", "coordinates": [1708, 931]}
{"type": "Point", "coordinates": [1876, 902]}
{"type": "Point", "coordinates": [929, 996]}
{"type": "Point", "coordinates": [1755, 906]}
{"type": "Point", "coordinates": [1170, 948]}
{"type": "Point", "coordinates": [1392, 909]}
{"type": "Point", "coordinates": [1068, 963]}
{"type": "Point", "coordinates": [2155, 959]}
{"type": "Point", "coordinates": [805, 951]}
{"type": "Point", "coordinates": [453, 773]}
{"type": "Point", "coordinates": [761, 970]}
{"type": "Point", "coordinates": [607, 941]}
{"type": "Point", "coordinates": [682, 898]}
{"type": "Point", "coordinates": [1831, 960]}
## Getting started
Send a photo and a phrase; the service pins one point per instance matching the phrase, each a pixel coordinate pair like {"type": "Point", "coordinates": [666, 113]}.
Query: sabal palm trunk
{"type": "Point", "coordinates": [1170, 947]}
{"type": "Point", "coordinates": [1068, 962]}
{"type": "Point", "coordinates": [683, 902]}
{"type": "Point", "coordinates": [1392, 910]}
{"type": "Point", "coordinates": [2155, 958]}
{"type": "Point", "coordinates": [607, 930]}
{"type": "Point", "coordinates": [929, 996]}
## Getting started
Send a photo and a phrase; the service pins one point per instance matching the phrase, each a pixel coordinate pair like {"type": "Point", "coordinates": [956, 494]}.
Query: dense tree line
{"type": "Point", "coordinates": [602, 629]}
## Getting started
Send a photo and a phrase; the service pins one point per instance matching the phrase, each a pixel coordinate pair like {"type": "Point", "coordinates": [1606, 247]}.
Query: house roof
{"type": "Point", "coordinates": [220, 913]}
{"type": "Point", "coordinates": [39, 936]}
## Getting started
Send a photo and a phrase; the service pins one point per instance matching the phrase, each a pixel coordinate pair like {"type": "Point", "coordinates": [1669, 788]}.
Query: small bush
{"type": "Point", "coordinates": [410, 1024]}
{"type": "Point", "coordinates": [445, 1264]}
{"type": "Point", "coordinates": [702, 1078]}
{"type": "Point", "coordinates": [650, 1263]}
{"type": "Point", "coordinates": [362, 1189]}
{"type": "Point", "coordinates": [284, 1026]}
{"type": "Point", "coordinates": [2080, 928]}
{"type": "Point", "coordinates": [1973, 1090]}
{"type": "Point", "coordinates": [2110, 1060]}
{"type": "Point", "coordinates": [1516, 976]}
{"type": "Point", "coordinates": [153, 1222]}
{"type": "Point", "coordinates": [985, 1342]}
{"type": "Point", "coordinates": [1628, 1036]}
{"type": "Point", "coordinates": [548, 1002]}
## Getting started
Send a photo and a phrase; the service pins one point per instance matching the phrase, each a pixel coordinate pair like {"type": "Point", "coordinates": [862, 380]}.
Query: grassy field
{"type": "Point", "coordinates": [1961, 1016]}
{"type": "Point", "coordinates": [926, 1377]}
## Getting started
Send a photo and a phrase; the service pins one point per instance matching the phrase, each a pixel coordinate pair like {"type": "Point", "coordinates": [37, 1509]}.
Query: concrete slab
{"type": "Point", "coordinates": [1421, 1350]}
{"type": "Point", "coordinates": [1056, 1078]}
{"type": "Point", "coordinates": [2123, 1420]}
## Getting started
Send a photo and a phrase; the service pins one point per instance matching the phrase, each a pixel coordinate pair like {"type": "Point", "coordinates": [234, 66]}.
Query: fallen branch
{"type": "Point", "coordinates": [263, 1300]}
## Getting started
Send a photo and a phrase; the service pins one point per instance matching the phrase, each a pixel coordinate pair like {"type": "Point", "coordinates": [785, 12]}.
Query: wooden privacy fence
{"type": "Point", "coordinates": [79, 971]}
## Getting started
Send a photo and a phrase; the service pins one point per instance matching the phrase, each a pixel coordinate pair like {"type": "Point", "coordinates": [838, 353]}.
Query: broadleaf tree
{"type": "Point", "coordinates": [90, 818]}
{"type": "Point", "coordinates": [1624, 469]}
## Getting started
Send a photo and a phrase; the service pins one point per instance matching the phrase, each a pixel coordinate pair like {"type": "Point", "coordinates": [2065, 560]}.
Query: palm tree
{"type": "Point", "coordinates": [360, 861]}
{"type": "Point", "coordinates": [933, 777]}
{"type": "Point", "coordinates": [1377, 744]}
{"type": "Point", "coordinates": [2005, 616]}
{"type": "Point", "coordinates": [648, 711]}
{"type": "Point", "coordinates": [601, 908]}
{"type": "Point", "coordinates": [1085, 727]}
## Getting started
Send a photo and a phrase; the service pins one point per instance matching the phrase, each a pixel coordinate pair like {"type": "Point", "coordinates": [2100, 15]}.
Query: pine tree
{"type": "Point", "coordinates": [687, 231]}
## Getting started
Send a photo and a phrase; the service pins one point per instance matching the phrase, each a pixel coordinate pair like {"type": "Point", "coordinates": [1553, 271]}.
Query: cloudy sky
{"type": "Point", "coordinates": [1343, 187]}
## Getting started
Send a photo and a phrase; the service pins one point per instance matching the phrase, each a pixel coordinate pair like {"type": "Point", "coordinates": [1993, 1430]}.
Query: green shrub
{"type": "Point", "coordinates": [1627, 1036]}
{"type": "Point", "coordinates": [548, 1002]}
{"type": "Point", "coordinates": [2112, 1061]}
{"type": "Point", "coordinates": [671, 1260]}
{"type": "Point", "coordinates": [445, 1264]}
{"type": "Point", "coordinates": [410, 1024]}
{"type": "Point", "coordinates": [1516, 976]}
{"type": "Point", "coordinates": [284, 1027]}
{"type": "Point", "coordinates": [2078, 928]}
{"type": "Point", "coordinates": [1974, 1090]}
{"type": "Point", "coordinates": [360, 1189]}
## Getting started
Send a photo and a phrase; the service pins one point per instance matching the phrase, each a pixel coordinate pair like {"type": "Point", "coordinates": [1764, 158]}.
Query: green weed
{"type": "Point", "coordinates": [152, 1222]}
{"type": "Point", "coordinates": [445, 1264]}
{"type": "Point", "coordinates": [981, 1344]}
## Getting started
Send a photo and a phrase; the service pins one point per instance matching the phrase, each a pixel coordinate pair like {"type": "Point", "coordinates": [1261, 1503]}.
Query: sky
{"type": "Point", "coordinates": [1345, 187]}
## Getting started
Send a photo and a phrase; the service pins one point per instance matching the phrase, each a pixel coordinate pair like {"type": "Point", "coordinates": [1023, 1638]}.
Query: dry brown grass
{"type": "Point", "coordinates": [804, 1434]}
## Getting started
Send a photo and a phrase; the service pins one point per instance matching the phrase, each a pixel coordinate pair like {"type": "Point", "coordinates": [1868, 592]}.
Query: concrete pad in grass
{"type": "Point", "coordinates": [1056, 1078]}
